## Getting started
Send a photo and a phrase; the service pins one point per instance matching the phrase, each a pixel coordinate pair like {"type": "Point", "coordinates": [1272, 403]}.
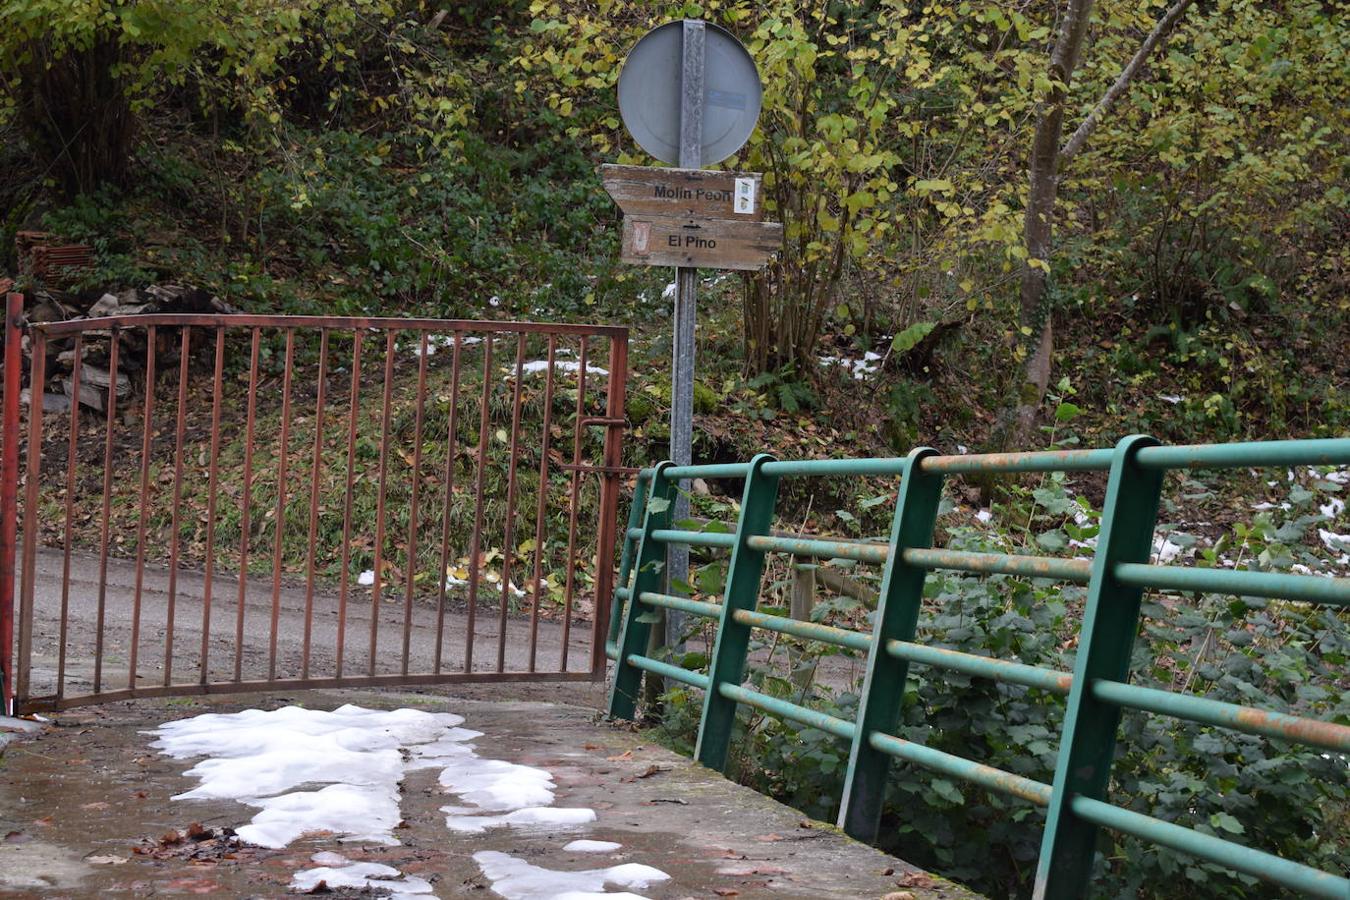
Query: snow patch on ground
{"type": "Point", "coordinates": [516, 879]}
{"type": "Point", "coordinates": [437, 342]}
{"type": "Point", "coordinates": [860, 368]}
{"type": "Point", "coordinates": [260, 758]}
{"type": "Point", "coordinates": [336, 871]}
{"type": "Point", "coordinates": [560, 365]}
{"type": "Point", "coordinates": [468, 820]}
{"type": "Point", "coordinates": [592, 847]}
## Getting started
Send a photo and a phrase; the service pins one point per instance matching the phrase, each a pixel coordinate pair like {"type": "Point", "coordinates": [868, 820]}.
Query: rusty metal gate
{"type": "Point", "coordinates": [241, 503]}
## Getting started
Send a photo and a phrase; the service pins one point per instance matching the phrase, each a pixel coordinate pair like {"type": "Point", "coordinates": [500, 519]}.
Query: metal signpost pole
{"type": "Point", "coordinates": [686, 302]}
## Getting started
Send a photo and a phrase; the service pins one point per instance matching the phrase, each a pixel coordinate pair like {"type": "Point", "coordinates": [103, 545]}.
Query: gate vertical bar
{"type": "Point", "coordinates": [147, 419]}
{"type": "Point", "coordinates": [385, 414]}
{"type": "Point", "coordinates": [244, 526]}
{"type": "Point", "coordinates": [9, 488]}
{"type": "Point", "coordinates": [37, 385]}
{"type": "Point", "coordinates": [508, 527]}
{"type": "Point", "coordinates": [451, 452]}
{"type": "Point", "coordinates": [1106, 639]}
{"type": "Point", "coordinates": [344, 577]}
{"type": "Point", "coordinates": [897, 617]}
{"type": "Point", "coordinates": [185, 336]}
{"type": "Point", "coordinates": [541, 503]}
{"type": "Point", "coordinates": [572, 505]}
{"type": "Point", "coordinates": [744, 574]}
{"type": "Point", "coordinates": [476, 540]}
{"type": "Point", "coordinates": [72, 463]}
{"type": "Point", "coordinates": [315, 470]}
{"type": "Point", "coordinates": [114, 344]}
{"type": "Point", "coordinates": [279, 523]}
{"type": "Point", "coordinates": [651, 559]}
{"type": "Point", "coordinates": [212, 483]}
{"type": "Point", "coordinates": [615, 399]}
{"type": "Point", "coordinates": [410, 570]}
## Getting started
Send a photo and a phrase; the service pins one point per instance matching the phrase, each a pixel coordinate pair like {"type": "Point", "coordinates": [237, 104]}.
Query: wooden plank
{"type": "Point", "coordinates": [652, 191]}
{"type": "Point", "coordinates": [699, 243]}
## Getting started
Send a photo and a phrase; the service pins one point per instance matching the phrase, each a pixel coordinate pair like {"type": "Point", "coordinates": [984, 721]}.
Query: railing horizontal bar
{"type": "Point", "coordinates": [811, 631]}
{"type": "Point", "coordinates": [1318, 452]}
{"type": "Point", "coordinates": [1039, 461]}
{"type": "Point", "coordinates": [1306, 880]}
{"type": "Point", "coordinates": [1048, 680]}
{"type": "Point", "coordinates": [340, 323]}
{"type": "Point", "coordinates": [683, 604]}
{"type": "Point", "coordinates": [612, 649]}
{"type": "Point", "coordinates": [634, 534]}
{"type": "Point", "coordinates": [715, 470]}
{"type": "Point", "coordinates": [666, 670]}
{"type": "Point", "coordinates": [694, 538]}
{"type": "Point", "coordinates": [1314, 732]}
{"type": "Point", "coordinates": [965, 769]}
{"type": "Point", "coordinates": [885, 465]}
{"type": "Point", "coordinates": [772, 705]}
{"type": "Point", "coordinates": [645, 475]}
{"type": "Point", "coordinates": [623, 593]}
{"type": "Point", "coordinates": [819, 549]}
{"type": "Point", "coordinates": [1078, 571]}
{"type": "Point", "coordinates": [1307, 588]}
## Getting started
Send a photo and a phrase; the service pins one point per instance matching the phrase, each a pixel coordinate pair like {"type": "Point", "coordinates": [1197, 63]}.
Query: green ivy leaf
{"type": "Point", "coordinates": [910, 337]}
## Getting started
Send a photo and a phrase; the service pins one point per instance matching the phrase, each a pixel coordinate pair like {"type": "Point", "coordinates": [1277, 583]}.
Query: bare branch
{"type": "Point", "coordinates": [1122, 83]}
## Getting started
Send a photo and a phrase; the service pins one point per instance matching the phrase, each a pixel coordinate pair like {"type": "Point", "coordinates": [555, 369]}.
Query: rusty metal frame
{"type": "Point", "coordinates": [413, 540]}
{"type": "Point", "coordinates": [9, 487]}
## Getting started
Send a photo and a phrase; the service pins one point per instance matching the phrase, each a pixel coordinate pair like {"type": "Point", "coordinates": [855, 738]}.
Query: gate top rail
{"type": "Point", "coordinates": [248, 320]}
{"type": "Point", "coordinates": [1097, 689]}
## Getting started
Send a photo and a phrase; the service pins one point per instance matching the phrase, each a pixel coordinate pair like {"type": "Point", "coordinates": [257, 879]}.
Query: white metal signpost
{"type": "Point", "coordinates": [690, 95]}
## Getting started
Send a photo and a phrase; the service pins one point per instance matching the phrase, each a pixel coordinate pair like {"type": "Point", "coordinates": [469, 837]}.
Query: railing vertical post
{"type": "Point", "coordinates": [896, 618]}
{"type": "Point", "coordinates": [742, 592]}
{"type": "Point", "coordinates": [651, 560]}
{"type": "Point", "coordinates": [636, 511]}
{"type": "Point", "coordinates": [9, 493]}
{"type": "Point", "coordinates": [1106, 639]}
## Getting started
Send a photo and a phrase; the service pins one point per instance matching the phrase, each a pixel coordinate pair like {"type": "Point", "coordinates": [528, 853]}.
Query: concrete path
{"type": "Point", "coordinates": [188, 608]}
{"type": "Point", "coordinates": [85, 810]}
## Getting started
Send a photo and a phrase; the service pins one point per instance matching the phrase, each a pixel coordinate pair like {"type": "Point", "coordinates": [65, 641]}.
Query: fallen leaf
{"type": "Point", "coordinates": [105, 860]}
{"type": "Point", "coordinates": [915, 879]}
{"type": "Point", "coordinates": [768, 838]}
{"type": "Point", "coordinates": [726, 892]}
{"type": "Point", "coordinates": [626, 755]}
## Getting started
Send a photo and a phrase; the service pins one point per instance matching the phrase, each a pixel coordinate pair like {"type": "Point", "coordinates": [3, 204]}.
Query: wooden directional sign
{"type": "Point", "coordinates": [699, 242]}
{"type": "Point", "coordinates": [694, 193]}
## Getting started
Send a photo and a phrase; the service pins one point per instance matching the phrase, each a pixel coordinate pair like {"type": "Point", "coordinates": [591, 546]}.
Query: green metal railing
{"type": "Point", "coordinates": [1097, 690]}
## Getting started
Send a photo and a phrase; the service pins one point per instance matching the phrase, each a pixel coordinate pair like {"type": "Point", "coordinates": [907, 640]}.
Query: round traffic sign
{"type": "Point", "coordinates": [650, 87]}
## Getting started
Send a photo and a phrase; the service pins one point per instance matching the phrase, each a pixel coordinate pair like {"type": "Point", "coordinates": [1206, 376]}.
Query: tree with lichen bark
{"type": "Point", "coordinates": [1048, 161]}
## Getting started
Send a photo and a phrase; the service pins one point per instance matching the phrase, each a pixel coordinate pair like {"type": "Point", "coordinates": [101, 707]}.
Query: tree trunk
{"type": "Point", "coordinates": [76, 114]}
{"type": "Point", "coordinates": [1035, 312]}
{"type": "Point", "coordinates": [1047, 160]}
